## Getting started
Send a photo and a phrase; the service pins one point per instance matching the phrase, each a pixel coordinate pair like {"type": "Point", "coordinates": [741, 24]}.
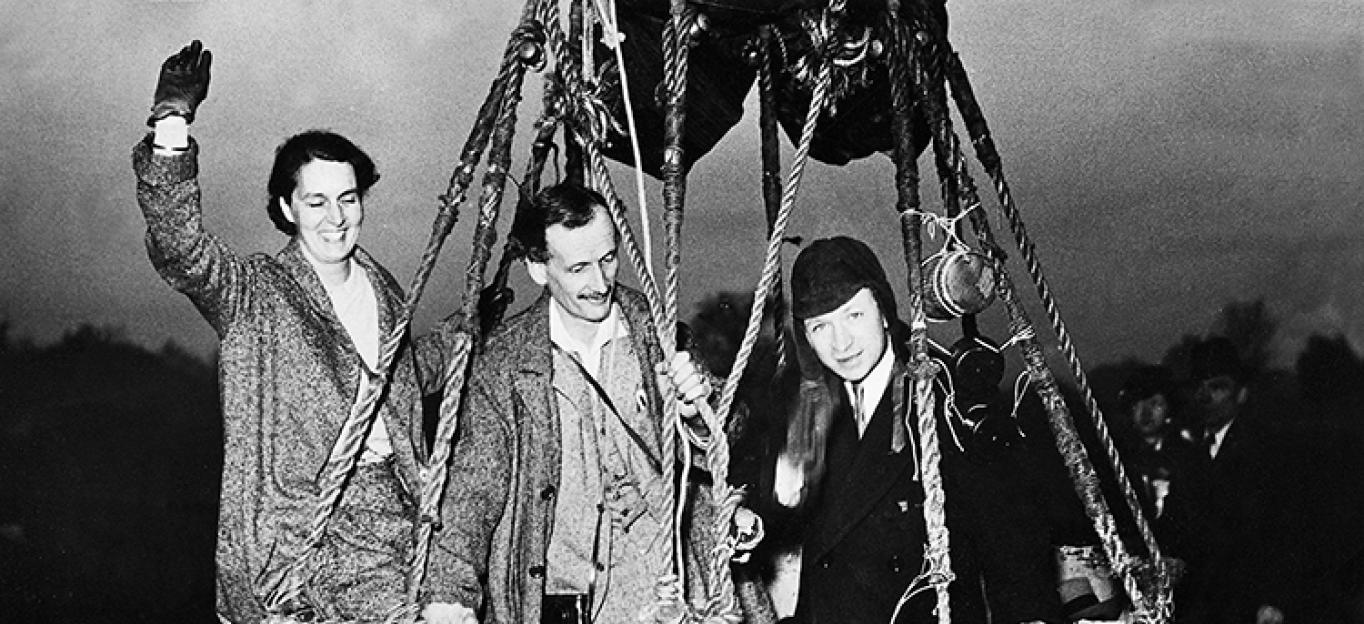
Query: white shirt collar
{"type": "Point", "coordinates": [588, 353]}
{"type": "Point", "coordinates": [873, 388]}
{"type": "Point", "coordinates": [1218, 436]}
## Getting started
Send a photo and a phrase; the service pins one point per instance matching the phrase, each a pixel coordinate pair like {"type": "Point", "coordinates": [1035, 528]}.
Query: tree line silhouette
{"type": "Point", "coordinates": [110, 453]}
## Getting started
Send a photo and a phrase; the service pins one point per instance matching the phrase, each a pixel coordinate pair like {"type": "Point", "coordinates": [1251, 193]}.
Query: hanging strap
{"type": "Point", "coordinates": [611, 406]}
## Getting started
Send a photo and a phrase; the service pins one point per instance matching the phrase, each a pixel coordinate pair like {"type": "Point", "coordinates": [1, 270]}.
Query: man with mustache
{"type": "Point", "coordinates": [557, 509]}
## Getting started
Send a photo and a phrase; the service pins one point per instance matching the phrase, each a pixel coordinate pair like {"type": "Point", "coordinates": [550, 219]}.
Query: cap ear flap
{"type": "Point", "coordinates": [806, 358]}
{"type": "Point", "coordinates": [801, 462]}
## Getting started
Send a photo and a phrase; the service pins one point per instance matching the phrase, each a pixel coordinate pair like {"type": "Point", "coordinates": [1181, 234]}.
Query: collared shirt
{"type": "Point", "coordinates": [358, 310]}
{"type": "Point", "coordinates": [609, 533]}
{"type": "Point", "coordinates": [1218, 436]}
{"type": "Point", "coordinates": [872, 387]}
{"type": "Point", "coordinates": [588, 353]}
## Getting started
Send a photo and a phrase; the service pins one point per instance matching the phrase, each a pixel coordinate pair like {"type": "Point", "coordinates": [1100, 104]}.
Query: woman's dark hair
{"type": "Point", "coordinates": [567, 204]}
{"type": "Point", "coordinates": [303, 148]}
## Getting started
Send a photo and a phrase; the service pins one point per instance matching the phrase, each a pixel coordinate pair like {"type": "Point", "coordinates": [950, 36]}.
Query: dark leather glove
{"type": "Point", "coordinates": [183, 83]}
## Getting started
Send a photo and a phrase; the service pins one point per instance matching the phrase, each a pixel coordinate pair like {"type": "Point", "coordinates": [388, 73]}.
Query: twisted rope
{"type": "Point", "coordinates": [344, 453]}
{"type": "Point", "coordinates": [610, 24]}
{"type": "Point", "coordinates": [937, 557]}
{"type": "Point", "coordinates": [675, 54]}
{"type": "Point", "coordinates": [1081, 470]}
{"type": "Point", "coordinates": [772, 257]}
{"type": "Point", "coordinates": [904, 68]}
{"type": "Point", "coordinates": [989, 157]}
{"type": "Point", "coordinates": [771, 174]}
{"type": "Point", "coordinates": [435, 470]}
{"type": "Point", "coordinates": [581, 119]}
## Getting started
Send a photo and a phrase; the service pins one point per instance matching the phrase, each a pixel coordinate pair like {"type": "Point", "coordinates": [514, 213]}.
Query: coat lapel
{"type": "Point", "coordinates": [875, 469]}
{"type": "Point", "coordinates": [344, 359]}
{"type": "Point", "coordinates": [405, 434]}
{"type": "Point", "coordinates": [644, 424]}
{"type": "Point", "coordinates": [535, 363]}
{"type": "Point", "coordinates": [340, 351]}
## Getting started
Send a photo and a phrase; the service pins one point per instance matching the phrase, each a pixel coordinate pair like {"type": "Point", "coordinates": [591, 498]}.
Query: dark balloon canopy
{"type": "Point", "coordinates": [724, 62]}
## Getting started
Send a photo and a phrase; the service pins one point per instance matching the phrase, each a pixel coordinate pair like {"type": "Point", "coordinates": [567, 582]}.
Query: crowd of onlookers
{"type": "Point", "coordinates": [1263, 508]}
{"type": "Point", "coordinates": [1256, 507]}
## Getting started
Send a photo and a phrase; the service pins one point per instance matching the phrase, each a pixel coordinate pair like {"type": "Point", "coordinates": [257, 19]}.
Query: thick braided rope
{"type": "Point", "coordinates": [675, 54]}
{"type": "Point", "coordinates": [344, 454]}
{"type": "Point", "coordinates": [905, 75]}
{"type": "Point", "coordinates": [1083, 477]}
{"type": "Point", "coordinates": [975, 120]}
{"type": "Point", "coordinates": [1105, 438]}
{"type": "Point", "coordinates": [937, 554]}
{"type": "Point", "coordinates": [722, 602]}
{"type": "Point", "coordinates": [435, 471]}
{"type": "Point", "coordinates": [967, 102]}
{"type": "Point", "coordinates": [574, 92]}
{"type": "Point", "coordinates": [771, 174]}
{"type": "Point", "coordinates": [772, 259]}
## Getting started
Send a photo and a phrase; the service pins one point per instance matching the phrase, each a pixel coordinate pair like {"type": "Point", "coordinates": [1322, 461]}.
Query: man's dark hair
{"type": "Point", "coordinates": [303, 148]}
{"type": "Point", "coordinates": [1146, 382]}
{"type": "Point", "coordinates": [1215, 357]}
{"type": "Point", "coordinates": [567, 204]}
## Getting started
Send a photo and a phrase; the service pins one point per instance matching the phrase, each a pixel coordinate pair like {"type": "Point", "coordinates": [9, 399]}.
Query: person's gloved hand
{"type": "Point", "coordinates": [747, 531]}
{"type": "Point", "coordinates": [183, 83]}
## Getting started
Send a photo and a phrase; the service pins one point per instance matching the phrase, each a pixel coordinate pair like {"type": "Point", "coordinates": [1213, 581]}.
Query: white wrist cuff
{"type": "Point", "coordinates": [171, 134]}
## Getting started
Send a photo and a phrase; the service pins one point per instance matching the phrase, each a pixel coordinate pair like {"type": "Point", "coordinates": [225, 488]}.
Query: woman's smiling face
{"type": "Point", "coordinates": [328, 210]}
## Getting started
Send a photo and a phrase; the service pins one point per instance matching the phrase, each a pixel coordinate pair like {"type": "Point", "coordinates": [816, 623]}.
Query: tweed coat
{"type": "Point", "coordinates": [288, 374]}
{"type": "Point", "coordinates": [498, 510]}
{"type": "Point", "coordinates": [864, 535]}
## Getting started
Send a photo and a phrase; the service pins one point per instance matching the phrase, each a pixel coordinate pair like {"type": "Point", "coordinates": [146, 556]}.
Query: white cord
{"type": "Point", "coordinates": [612, 37]}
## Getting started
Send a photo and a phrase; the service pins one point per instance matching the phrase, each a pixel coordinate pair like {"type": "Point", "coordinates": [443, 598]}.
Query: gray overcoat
{"type": "Point", "coordinates": [288, 373]}
{"type": "Point", "coordinates": [498, 510]}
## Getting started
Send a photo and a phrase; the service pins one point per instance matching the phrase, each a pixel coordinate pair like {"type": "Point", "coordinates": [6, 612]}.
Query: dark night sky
{"type": "Point", "coordinates": [1169, 156]}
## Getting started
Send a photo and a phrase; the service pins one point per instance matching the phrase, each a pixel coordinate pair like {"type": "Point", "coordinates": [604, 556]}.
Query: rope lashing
{"type": "Point", "coordinates": [989, 157]}
{"type": "Point", "coordinates": [344, 453]}
{"type": "Point", "coordinates": [771, 175]}
{"type": "Point", "coordinates": [937, 556]}
{"type": "Point", "coordinates": [772, 256]}
{"type": "Point", "coordinates": [975, 122]}
{"type": "Point", "coordinates": [436, 470]}
{"type": "Point", "coordinates": [676, 50]}
{"type": "Point", "coordinates": [1083, 477]}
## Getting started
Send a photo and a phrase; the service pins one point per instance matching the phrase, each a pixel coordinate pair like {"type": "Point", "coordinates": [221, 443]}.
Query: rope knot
{"type": "Point", "coordinates": [529, 46]}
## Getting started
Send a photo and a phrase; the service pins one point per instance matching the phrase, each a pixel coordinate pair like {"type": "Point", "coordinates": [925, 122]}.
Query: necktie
{"type": "Point", "coordinates": [859, 411]}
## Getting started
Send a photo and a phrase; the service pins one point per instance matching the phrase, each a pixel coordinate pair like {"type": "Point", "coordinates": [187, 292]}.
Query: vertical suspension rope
{"type": "Point", "coordinates": [676, 48]}
{"type": "Point", "coordinates": [435, 470]}
{"type": "Point", "coordinates": [771, 173]}
{"type": "Point", "coordinates": [581, 119]}
{"type": "Point", "coordinates": [905, 77]}
{"type": "Point", "coordinates": [771, 262]}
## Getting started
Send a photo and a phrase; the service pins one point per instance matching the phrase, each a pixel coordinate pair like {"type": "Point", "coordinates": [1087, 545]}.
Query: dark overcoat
{"type": "Point", "coordinates": [865, 534]}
